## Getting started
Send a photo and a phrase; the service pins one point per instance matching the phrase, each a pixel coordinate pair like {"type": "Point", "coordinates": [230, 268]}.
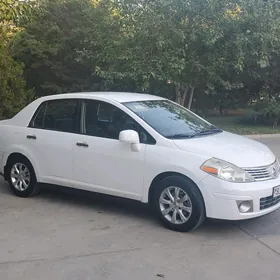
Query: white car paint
{"type": "Point", "coordinates": [229, 147]}
{"type": "Point", "coordinates": [116, 169]}
{"type": "Point", "coordinates": [112, 167]}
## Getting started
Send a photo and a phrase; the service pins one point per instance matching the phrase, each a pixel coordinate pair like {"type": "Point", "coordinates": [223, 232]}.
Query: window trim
{"type": "Point", "coordinates": [83, 118]}
{"type": "Point", "coordinates": [45, 103]}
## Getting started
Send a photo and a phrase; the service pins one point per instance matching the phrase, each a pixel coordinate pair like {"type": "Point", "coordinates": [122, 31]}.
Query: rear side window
{"type": "Point", "coordinates": [59, 115]}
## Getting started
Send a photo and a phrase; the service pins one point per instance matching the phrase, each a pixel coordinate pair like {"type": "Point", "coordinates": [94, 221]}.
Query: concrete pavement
{"type": "Point", "coordinates": [69, 235]}
{"type": "Point", "coordinates": [260, 137]}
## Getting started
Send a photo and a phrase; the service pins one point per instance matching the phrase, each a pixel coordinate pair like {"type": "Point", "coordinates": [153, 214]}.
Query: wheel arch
{"type": "Point", "coordinates": [12, 156]}
{"type": "Point", "coordinates": [164, 175]}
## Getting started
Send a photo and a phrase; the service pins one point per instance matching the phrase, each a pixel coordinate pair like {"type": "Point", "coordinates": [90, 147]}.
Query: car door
{"type": "Point", "coordinates": [49, 138]}
{"type": "Point", "coordinates": [100, 161]}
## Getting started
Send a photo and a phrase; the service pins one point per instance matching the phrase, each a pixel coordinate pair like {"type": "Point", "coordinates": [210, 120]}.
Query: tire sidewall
{"type": "Point", "coordinates": [33, 180]}
{"type": "Point", "coordinates": [198, 208]}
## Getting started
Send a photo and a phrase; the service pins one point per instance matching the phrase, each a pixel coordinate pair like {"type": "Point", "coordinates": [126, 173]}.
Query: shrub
{"type": "Point", "coordinates": [263, 113]}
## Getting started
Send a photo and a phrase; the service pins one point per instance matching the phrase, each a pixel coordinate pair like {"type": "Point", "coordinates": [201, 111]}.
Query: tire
{"type": "Point", "coordinates": [20, 169]}
{"type": "Point", "coordinates": [190, 199]}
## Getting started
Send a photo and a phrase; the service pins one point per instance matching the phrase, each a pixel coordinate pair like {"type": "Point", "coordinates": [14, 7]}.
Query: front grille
{"type": "Point", "coordinates": [268, 201]}
{"type": "Point", "coordinates": [268, 172]}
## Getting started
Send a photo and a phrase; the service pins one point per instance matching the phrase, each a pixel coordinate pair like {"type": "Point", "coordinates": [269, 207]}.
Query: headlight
{"type": "Point", "coordinates": [226, 171]}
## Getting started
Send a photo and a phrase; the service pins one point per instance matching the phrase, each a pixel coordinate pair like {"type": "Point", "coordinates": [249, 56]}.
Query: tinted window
{"type": "Point", "coordinates": [170, 119]}
{"type": "Point", "coordinates": [60, 115]}
{"type": "Point", "coordinates": [105, 112]}
{"type": "Point", "coordinates": [107, 121]}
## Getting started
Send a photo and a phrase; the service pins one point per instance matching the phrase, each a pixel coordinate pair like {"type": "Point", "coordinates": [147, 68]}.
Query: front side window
{"type": "Point", "coordinates": [106, 120]}
{"type": "Point", "coordinates": [171, 120]}
{"type": "Point", "coordinates": [59, 115]}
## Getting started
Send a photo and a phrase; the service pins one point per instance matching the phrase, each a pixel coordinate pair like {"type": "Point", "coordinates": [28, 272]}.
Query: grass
{"type": "Point", "coordinates": [231, 124]}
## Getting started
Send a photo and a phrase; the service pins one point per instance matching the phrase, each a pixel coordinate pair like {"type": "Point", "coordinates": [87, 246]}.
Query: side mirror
{"type": "Point", "coordinates": [130, 137]}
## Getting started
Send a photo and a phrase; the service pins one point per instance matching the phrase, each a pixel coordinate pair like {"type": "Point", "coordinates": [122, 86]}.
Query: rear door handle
{"type": "Point", "coordinates": [81, 144]}
{"type": "Point", "coordinates": [31, 137]}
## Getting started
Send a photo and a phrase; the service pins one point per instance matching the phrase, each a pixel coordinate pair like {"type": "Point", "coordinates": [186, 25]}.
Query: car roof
{"type": "Point", "coordinates": [106, 96]}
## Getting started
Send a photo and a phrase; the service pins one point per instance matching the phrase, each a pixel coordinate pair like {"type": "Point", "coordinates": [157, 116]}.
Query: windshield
{"type": "Point", "coordinates": [171, 120]}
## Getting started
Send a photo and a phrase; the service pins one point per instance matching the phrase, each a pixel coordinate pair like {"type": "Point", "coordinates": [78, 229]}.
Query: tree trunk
{"type": "Point", "coordinates": [178, 97]}
{"type": "Point", "coordinates": [221, 108]}
{"type": "Point", "coordinates": [191, 98]}
{"type": "Point", "coordinates": [177, 94]}
{"type": "Point", "coordinates": [181, 94]}
{"type": "Point", "coordinates": [275, 124]}
{"type": "Point", "coordinates": [184, 96]}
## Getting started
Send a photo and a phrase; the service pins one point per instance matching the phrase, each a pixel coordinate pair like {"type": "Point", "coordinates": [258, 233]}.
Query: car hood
{"type": "Point", "coordinates": [239, 150]}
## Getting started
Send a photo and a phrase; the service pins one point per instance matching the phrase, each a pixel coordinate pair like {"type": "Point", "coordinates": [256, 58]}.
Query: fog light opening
{"type": "Point", "coordinates": [245, 206]}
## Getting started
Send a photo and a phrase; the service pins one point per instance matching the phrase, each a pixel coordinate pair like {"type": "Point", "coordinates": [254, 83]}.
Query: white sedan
{"type": "Point", "coordinates": [140, 147]}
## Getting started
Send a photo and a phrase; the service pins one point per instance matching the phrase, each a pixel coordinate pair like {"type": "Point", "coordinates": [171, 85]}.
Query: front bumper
{"type": "Point", "coordinates": [221, 198]}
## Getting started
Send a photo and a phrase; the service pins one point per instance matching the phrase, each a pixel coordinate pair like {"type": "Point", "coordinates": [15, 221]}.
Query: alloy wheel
{"type": "Point", "coordinates": [20, 176]}
{"type": "Point", "coordinates": [175, 205]}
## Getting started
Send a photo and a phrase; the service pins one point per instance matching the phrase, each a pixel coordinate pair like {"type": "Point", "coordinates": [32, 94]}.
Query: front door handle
{"type": "Point", "coordinates": [31, 137]}
{"type": "Point", "coordinates": [82, 144]}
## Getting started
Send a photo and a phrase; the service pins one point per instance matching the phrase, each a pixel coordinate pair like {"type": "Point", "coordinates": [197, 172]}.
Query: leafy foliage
{"type": "Point", "coordinates": [210, 45]}
{"type": "Point", "coordinates": [267, 111]}
{"type": "Point", "coordinates": [13, 10]}
{"type": "Point", "coordinates": [212, 53]}
{"type": "Point", "coordinates": [13, 95]}
{"type": "Point", "coordinates": [51, 61]}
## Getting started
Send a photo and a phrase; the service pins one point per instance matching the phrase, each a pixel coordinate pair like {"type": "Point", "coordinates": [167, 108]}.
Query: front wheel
{"type": "Point", "coordinates": [179, 204]}
{"type": "Point", "coordinates": [22, 178]}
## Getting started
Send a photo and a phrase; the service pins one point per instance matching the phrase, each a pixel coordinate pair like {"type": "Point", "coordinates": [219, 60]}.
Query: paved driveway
{"type": "Point", "coordinates": [72, 235]}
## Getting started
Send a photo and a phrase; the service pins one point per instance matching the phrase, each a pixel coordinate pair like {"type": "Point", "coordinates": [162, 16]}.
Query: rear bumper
{"type": "Point", "coordinates": [222, 198]}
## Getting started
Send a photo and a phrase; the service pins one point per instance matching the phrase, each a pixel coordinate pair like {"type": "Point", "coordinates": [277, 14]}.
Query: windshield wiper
{"type": "Point", "coordinates": [200, 133]}
{"type": "Point", "coordinates": [179, 136]}
{"type": "Point", "coordinates": [208, 131]}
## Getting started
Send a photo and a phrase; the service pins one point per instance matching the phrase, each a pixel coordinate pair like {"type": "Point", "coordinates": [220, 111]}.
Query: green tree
{"type": "Point", "coordinates": [13, 10]}
{"type": "Point", "coordinates": [209, 45]}
{"type": "Point", "coordinates": [48, 47]}
{"type": "Point", "coordinates": [215, 50]}
{"type": "Point", "coordinates": [13, 94]}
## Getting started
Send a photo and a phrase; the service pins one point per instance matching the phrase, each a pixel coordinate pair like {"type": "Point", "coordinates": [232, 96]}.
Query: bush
{"type": "Point", "coordinates": [263, 113]}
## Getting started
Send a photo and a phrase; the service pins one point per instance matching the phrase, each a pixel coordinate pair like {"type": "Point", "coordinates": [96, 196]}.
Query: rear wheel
{"type": "Point", "coordinates": [179, 204]}
{"type": "Point", "coordinates": [21, 177]}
